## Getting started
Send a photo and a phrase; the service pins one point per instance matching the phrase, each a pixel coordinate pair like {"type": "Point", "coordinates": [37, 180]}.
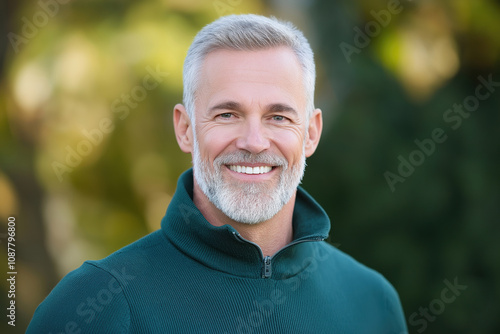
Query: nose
{"type": "Point", "coordinates": [253, 137]}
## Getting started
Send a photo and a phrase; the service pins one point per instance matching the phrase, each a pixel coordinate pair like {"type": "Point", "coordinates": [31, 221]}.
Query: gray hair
{"type": "Point", "coordinates": [246, 32]}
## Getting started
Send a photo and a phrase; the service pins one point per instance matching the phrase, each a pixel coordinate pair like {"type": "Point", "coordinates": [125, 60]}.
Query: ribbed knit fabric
{"type": "Point", "coordinates": [192, 277]}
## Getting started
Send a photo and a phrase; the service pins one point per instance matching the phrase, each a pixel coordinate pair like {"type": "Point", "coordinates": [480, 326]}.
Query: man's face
{"type": "Point", "coordinates": [250, 131]}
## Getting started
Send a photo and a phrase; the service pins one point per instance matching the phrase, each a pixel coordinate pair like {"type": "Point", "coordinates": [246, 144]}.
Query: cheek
{"type": "Point", "coordinates": [290, 144]}
{"type": "Point", "coordinates": [214, 142]}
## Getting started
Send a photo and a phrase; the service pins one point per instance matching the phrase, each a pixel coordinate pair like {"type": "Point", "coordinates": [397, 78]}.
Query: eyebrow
{"type": "Point", "coordinates": [226, 105]}
{"type": "Point", "coordinates": [274, 107]}
{"type": "Point", "coordinates": [281, 107]}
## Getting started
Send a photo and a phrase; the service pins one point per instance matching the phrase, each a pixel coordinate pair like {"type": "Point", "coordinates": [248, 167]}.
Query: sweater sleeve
{"type": "Point", "coordinates": [87, 300]}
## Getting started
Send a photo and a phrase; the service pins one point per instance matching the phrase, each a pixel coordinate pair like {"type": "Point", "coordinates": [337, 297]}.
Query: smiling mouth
{"type": "Point", "coordinates": [250, 170]}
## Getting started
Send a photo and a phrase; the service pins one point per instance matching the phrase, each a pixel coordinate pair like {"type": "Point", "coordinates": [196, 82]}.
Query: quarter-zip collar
{"type": "Point", "coordinates": [223, 249]}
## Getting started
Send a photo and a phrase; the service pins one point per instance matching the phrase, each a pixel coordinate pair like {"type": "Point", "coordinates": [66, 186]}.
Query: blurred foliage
{"type": "Point", "coordinates": [77, 94]}
{"type": "Point", "coordinates": [442, 222]}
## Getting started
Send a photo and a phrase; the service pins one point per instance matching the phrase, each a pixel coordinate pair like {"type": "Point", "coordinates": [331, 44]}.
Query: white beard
{"type": "Point", "coordinates": [248, 203]}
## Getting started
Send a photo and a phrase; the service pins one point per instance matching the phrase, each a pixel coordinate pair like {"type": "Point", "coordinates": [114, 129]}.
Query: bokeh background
{"type": "Point", "coordinates": [89, 160]}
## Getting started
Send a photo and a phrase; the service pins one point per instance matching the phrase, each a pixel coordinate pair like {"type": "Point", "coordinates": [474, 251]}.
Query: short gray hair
{"type": "Point", "coordinates": [246, 32]}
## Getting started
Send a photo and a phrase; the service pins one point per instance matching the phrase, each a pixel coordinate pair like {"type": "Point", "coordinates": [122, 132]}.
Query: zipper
{"type": "Point", "coordinates": [267, 268]}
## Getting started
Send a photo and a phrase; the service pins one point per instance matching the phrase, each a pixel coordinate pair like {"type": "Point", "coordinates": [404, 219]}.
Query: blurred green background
{"type": "Point", "coordinates": [89, 160]}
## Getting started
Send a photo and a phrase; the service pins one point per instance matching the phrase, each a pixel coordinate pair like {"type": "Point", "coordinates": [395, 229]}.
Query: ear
{"type": "Point", "coordinates": [183, 128]}
{"type": "Point", "coordinates": [314, 132]}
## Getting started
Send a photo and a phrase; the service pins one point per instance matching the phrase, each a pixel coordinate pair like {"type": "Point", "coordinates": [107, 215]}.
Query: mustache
{"type": "Point", "coordinates": [247, 157]}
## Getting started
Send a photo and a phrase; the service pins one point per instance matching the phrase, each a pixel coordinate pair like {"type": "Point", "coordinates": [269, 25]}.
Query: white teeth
{"type": "Point", "coordinates": [250, 170]}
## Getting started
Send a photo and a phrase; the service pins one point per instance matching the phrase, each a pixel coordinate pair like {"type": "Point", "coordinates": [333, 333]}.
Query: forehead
{"type": "Point", "coordinates": [261, 75]}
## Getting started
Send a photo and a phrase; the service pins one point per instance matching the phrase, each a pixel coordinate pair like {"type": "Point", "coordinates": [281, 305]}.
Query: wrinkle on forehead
{"type": "Point", "coordinates": [269, 76]}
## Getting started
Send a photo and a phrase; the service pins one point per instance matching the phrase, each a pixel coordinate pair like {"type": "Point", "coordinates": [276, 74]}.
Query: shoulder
{"type": "Point", "coordinates": [81, 302]}
{"type": "Point", "coordinates": [93, 297]}
{"type": "Point", "coordinates": [365, 285]}
{"type": "Point", "coordinates": [135, 255]}
{"type": "Point", "coordinates": [350, 268]}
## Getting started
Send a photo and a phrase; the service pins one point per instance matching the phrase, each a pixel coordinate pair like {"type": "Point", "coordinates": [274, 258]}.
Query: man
{"type": "Point", "coordinates": [241, 246]}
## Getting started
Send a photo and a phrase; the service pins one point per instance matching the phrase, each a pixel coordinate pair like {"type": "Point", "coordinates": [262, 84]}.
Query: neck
{"type": "Point", "coordinates": [271, 235]}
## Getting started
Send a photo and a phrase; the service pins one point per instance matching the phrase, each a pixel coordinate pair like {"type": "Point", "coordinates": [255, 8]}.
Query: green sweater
{"type": "Point", "coordinates": [192, 277]}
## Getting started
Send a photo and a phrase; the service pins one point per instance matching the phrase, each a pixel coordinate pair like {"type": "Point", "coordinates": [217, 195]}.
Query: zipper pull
{"type": "Point", "coordinates": [267, 269]}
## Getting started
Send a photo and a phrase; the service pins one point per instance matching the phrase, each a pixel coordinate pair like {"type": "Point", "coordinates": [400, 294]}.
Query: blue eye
{"type": "Point", "coordinates": [225, 115]}
{"type": "Point", "coordinates": [278, 118]}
